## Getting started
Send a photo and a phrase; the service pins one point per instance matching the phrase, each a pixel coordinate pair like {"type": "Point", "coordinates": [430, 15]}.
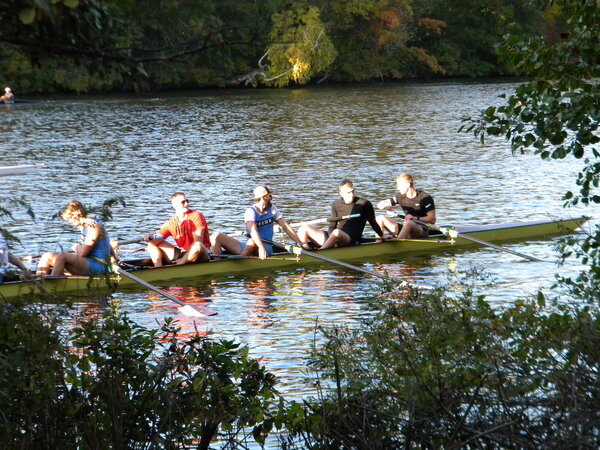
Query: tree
{"type": "Point", "coordinates": [84, 45]}
{"type": "Point", "coordinates": [556, 113]}
{"type": "Point", "coordinates": [300, 47]}
{"type": "Point", "coordinates": [370, 37]}
{"type": "Point", "coordinates": [472, 29]}
{"type": "Point", "coordinates": [446, 369]}
{"type": "Point", "coordinates": [112, 384]}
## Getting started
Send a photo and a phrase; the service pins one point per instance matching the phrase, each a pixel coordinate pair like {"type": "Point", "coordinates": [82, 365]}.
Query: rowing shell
{"type": "Point", "coordinates": [86, 286]}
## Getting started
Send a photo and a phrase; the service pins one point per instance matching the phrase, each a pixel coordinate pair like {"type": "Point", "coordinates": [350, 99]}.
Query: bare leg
{"type": "Point", "coordinates": [220, 240]}
{"type": "Point", "coordinates": [338, 238]}
{"type": "Point", "coordinates": [161, 252]}
{"type": "Point", "coordinates": [410, 230]}
{"type": "Point", "coordinates": [76, 265]}
{"type": "Point", "coordinates": [250, 249]}
{"type": "Point", "coordinates": [307, 234]}
{"type": "Point", "coordinates": [46, 263]}
{"type": "Point", "coordinates": [196, 253]}
{"type": "Point", "coordinates": [385, 223]}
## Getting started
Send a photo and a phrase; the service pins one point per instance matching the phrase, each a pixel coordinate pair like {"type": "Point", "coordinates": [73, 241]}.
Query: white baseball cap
{"type": "Point", "coordinates": [261, 191]}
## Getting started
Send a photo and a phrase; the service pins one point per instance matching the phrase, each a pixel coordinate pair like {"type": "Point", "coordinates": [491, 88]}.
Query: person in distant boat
{"type": "Point", "coordinates": [190, 232]}
{"type": "Point", "coordinates": [8, 96]}
{"type": "Point", "coordinates": [6, 258]}
{"type": "Point", "coordinates": [260, 219]}
{"type": "Point", "coordinates": [343, 232]}
{"type": "Point", "coordinates": [416, 204]}
{"type": "Point", "coordinates": [91, 257]}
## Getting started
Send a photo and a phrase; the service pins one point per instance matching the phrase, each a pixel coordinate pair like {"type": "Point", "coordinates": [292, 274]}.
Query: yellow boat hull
{"type": "Point", "coordinates": [86, 286]}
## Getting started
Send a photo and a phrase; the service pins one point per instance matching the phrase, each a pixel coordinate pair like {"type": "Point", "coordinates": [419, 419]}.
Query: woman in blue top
{"type": "Point", "coordinates": [91, 257]}
{"type": "Point", "coordinates": [259, 219]}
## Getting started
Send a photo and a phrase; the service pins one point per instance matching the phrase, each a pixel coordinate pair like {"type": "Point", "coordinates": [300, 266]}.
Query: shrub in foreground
{"type": "Point", "coordinates": [114, 384]}
{"type": "Point", "coordinates": [441, 370]}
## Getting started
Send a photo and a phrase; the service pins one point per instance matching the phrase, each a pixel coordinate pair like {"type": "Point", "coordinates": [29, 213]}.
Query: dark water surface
{"type": "Point", "coordinates": [216, 146]}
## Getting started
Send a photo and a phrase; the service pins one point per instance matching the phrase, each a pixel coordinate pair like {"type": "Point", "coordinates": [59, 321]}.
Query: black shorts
{"type": "Point", "coordinates": [179, 254]}
{"type": "Point", "coordinates": [424, 229]}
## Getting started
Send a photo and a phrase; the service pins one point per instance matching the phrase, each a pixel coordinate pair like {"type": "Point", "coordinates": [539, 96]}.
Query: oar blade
{"type": "Point", "coordinates": [187, 310]}
{"type": "Point", "coordinates": [190, 311]}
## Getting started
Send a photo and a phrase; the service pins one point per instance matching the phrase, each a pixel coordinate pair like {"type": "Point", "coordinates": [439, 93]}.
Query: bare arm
{"type": "Point", "coordinates": [289, 231]}
{"type": "Point", "coordinates": [17, 262]}
{"type": "Point", "coordinates": [385, 204]}
{"type": "Point", "coordinates": [155, 239]}
{"type": "Point", "coordinates": [428, 218]}
{"type": "Point", "coordinates": [199, 235]}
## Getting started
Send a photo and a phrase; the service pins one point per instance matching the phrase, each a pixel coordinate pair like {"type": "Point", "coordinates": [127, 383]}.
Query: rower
{"type": "Point", "coordinates": [6, 258]}
{"type": "Point", "coordinates": [346, 231]}
{"type": "Point", "coordinates": [91, 257]}
{"type": "Point", "coordinates": [416, 204]}
{"type": "Point", "coordinates": [8, 96]}
{"type": "Point", "coordinates": [190, 231]}
{"type": "Point", "coordinates": [260, 219]}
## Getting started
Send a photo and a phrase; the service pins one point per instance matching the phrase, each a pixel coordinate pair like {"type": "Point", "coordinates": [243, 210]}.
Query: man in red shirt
{"type": "Point", "coordinates": [190, 231]}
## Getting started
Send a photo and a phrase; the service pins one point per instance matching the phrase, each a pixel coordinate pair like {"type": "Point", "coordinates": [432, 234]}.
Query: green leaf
{"type": "Point", "coordinates": [541, 299]}
{"type": "Point", "coordinates": [490, 112]}
{"type": "Point", "coordinates": [71, 3]}
{"type": "Point", "coordinates": [27, 16]}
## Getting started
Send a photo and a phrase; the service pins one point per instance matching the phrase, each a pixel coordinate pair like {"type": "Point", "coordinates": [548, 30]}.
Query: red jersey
{"type": "Point", "coordinates": [183, 232]}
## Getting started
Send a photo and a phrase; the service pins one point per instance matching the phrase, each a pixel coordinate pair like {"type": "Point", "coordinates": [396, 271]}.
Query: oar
{"type": "Point", "coordinates": [185, 309]}
{"type": "Point", "coordinates": [138, 240]}
{"type": "Point", "coordinates": [224, 257]}
{"type": "Point", "coordinates": [453, 233]}
{"type": "Point", "coordinates": [297, 250]}
{"type": "Point", "coordinates": [18, 170]}
{"type": "Point", "coordinates": [323, 220]}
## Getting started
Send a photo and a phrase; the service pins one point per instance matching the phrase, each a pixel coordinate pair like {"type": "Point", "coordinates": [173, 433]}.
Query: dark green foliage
{"type": "Point", "coordinates": [472, 29]}
{"type": "Point", "coordinates": [88, 45]}
{"type": "Point", "coordinates": [13, 202]}
{"type": "Point", "coordinates": [113, 384]}
{"type": "Point", "coordinates": [449, 371]}
{"type": "Point", "coordinates": [31, 380]}
{"type": "Point", "coordinates": [556, 114]}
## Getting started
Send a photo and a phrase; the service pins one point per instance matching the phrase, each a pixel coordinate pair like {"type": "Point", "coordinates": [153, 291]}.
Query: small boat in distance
{"type": "Point", "coordinates": [225, 266]}
{"type": "Point", "coordinates": [6, 171]}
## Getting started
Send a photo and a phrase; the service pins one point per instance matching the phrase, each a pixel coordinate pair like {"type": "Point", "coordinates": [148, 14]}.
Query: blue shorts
{"type": "Point", "coordinates": [96, 268]}
{"type": "Point", "coordinates": [2, 275]}
{"type": "Point", "coordinates": [269, 247]}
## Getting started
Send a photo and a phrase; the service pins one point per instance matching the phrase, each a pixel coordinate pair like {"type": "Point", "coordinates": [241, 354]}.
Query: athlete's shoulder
{"type": "Point", "coordinates": [193, 213]}
{"type": "Point", "coordinates": [362, 201]}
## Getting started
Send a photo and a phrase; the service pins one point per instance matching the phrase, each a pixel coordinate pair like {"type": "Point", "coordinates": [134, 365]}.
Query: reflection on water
{"type": "Point", "coordinates": [216, 146]}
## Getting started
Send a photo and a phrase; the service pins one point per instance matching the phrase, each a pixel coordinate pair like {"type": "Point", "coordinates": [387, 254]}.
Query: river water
{"type": "Point", "coordinates": [217, 145]}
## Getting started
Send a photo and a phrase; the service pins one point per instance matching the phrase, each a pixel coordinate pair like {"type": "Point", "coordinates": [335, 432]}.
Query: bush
{"type": "Point", "coordinates": [445, 370]}
{"type": "Point", "coordinates": [114, 384]}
